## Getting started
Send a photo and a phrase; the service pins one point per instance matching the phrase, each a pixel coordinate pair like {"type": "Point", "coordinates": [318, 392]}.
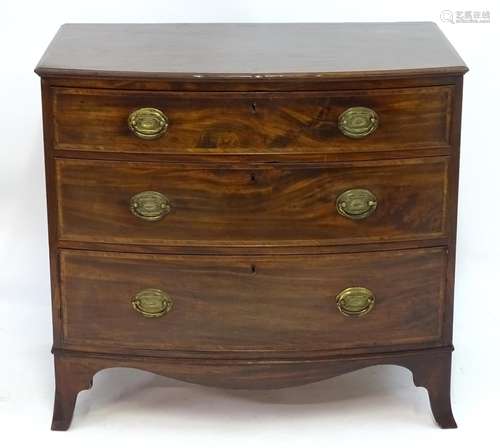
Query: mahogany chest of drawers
{"type": "Point", "coordinates": [252, 206]}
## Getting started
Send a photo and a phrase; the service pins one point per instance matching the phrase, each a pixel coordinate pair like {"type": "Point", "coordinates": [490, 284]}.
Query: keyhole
{"type": "Point", "coordinates": [254, 108]}
{"type": "Point", "coordinates": [253, 269]}
{"type": "Point", "coordinates": [252, 177]}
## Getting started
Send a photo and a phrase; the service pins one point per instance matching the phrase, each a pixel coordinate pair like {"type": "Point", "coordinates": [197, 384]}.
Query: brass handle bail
{"type": "Point", "coordinates": [149, 205]}
{"type": "Point", "coordinates": [152, 302]}
{"type": "Point", "coordinates": [357, 203]}
{"type": "Point", "coordinates": [148, 123]}
{"type": "Point", "coordinates": [358, 122]}
{"type": "Point", "coordinates": [355, 301]}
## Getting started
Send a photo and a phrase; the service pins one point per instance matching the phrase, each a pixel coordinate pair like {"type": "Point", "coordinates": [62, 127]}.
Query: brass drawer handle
{"type": "Point", "coordinates": [148, 123]}
{"type": "Point", "coordinates": [355, 301]}
{"type": "Point", "coordinates": [152, 303]}
{"type": "Point", "coordinates": [149, 205]}
{"type": "Point", "coordinates": [357, 203]}
{"type": "Point", "coordinates": [358, 122]}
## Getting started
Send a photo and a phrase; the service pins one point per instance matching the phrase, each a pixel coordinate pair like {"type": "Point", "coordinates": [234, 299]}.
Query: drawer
{"type": "Point", "coordinates": [107, 202]}
{"type": "Point", "coordinates": [207, 123]}
{"type": "Point", "coordinates": [261, 303]}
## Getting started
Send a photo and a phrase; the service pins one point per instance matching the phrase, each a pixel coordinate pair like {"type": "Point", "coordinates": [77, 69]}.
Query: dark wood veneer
{"type": "Point", "coordinates": [203, 123]}
{"type": "Point", "coordinates": [253, 252]}
{"type": "Point", "coordinates": [289, 51]}
{"type": "Point", "coordinates": [257, 304]}
{"type": "Point", "coordinates": [430, 368]}
{"type": "Point", "coordinates": [238, 206]}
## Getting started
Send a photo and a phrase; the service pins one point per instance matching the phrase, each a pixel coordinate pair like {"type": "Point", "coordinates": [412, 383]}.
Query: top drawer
{"type": "Point", "coordinates": [252, 123]}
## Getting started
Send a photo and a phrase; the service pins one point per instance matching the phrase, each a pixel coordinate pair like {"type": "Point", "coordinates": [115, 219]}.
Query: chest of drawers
{"type": "Point", "coordinates": [251, 206]}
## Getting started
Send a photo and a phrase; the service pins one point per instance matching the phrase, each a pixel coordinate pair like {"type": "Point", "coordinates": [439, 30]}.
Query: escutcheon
{"type": "Point", "coordinates": [149, 205]}
{"type": "Point", "coordinates": [357, 203]}
{"type": "Point", "coordinates": [355, 301]}
{"type": "Point", "coordinates": [358, 122]}
{"type": "Point", "coordinates": [148, 123]}
{"type": "Point", "coordinates": [152, 302]}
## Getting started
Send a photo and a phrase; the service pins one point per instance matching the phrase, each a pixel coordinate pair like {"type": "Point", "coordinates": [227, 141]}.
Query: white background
{"type": "Point", "coordinates": [376, 406]}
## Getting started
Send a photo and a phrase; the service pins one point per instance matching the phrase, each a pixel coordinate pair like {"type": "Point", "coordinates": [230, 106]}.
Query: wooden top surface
{"type": "Point", "coordinates": [248, 50]}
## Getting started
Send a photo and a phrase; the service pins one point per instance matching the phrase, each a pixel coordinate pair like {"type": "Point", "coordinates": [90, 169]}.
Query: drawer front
{"type": "Point", "coordinates": [261, 303]}
{"type": "Point", "coordinates": [398, 200]}
{"type": "Point", "coordinates": [206, 123]}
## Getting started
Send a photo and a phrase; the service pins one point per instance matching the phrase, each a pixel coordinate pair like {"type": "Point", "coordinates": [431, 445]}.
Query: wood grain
{"type": "Point", "coordinates": [250, 50]}
{"type": "Point", "coordinates": [431, 369]}
{"type": "Point", "coordinates": [271, 123]}
{"type": "Point", "coordinates": [258, 303]}
{"type": "Point", "coordinates": [253, 84]}
{"type": "Point", "coordinates": [253, 252]}
{"type": "Point", "coordinates": [259, 206]}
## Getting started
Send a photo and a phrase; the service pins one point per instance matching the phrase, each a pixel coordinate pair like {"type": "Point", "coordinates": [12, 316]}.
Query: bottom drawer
{"type": "Point", "coordinates": [258, 303]}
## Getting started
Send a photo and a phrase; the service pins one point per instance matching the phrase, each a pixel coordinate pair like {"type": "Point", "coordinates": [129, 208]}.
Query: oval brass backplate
{"type": "Point", "coordinates": [357, 203]}
{"type": "Point", "coordinates": [152, 302]}
{"type": "Point", "coordinates": [148, 123]}
{"type": "Point", "coordinates": [149, 205]}
{"type": "Point", "coordinates": [355, 301]}
{"type": "Point", "coordinates": [358, 122]}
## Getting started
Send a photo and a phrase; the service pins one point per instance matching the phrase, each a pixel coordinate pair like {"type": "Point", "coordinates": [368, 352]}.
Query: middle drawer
{"type": "Point", "coordinates": [174, 204]}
